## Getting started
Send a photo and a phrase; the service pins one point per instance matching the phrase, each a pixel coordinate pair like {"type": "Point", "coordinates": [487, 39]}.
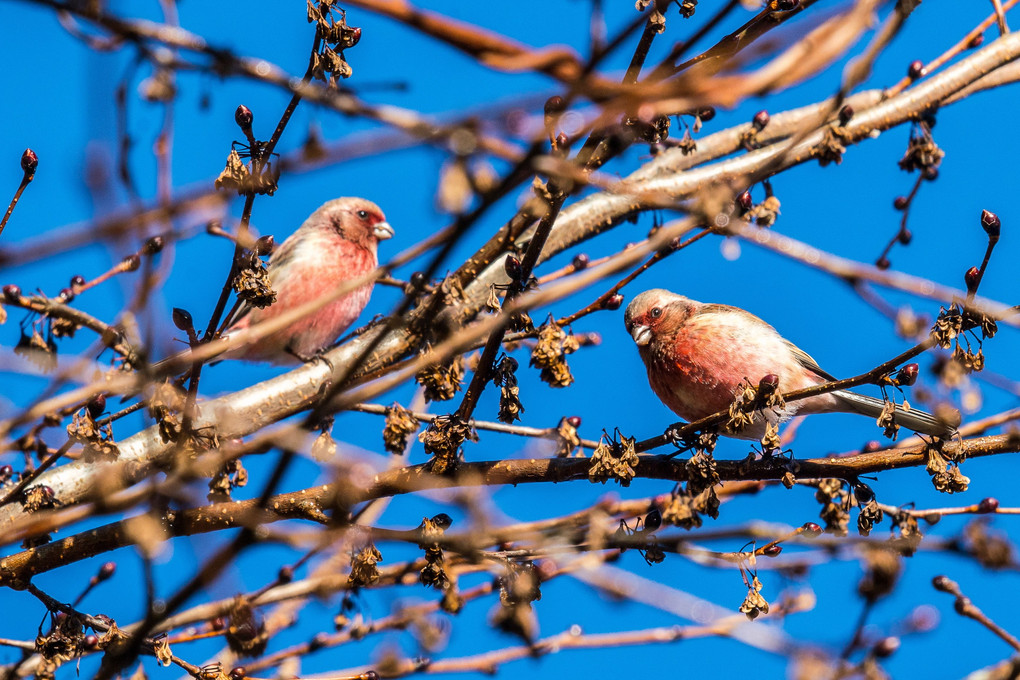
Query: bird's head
{"type": "Point", "coordinates": [356, 219]}
{"type": "Point", "coordinates": [655, 312]}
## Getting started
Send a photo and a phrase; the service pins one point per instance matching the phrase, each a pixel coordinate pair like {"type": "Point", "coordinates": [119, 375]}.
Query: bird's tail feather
{"type": "Point", "coordinates": [914, 419]}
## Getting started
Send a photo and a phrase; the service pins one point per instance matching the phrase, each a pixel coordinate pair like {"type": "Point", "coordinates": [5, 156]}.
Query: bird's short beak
{"type": "Point", "coordinates": [642, 335]}
{"type": "Point", "coordinates": [383, 231]}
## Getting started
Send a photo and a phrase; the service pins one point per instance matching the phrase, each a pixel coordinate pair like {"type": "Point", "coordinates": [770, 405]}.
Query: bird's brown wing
{"type": "Point", "coordinates": [805, 360]}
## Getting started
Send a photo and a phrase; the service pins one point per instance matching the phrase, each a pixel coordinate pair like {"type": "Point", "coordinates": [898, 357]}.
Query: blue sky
{"type": "Point", "coordinates": [59, 101]}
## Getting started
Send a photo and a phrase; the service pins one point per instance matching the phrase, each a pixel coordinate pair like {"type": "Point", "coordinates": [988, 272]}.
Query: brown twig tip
{"type": "Point", "coordinates": [613, 302]}
{"type": "Point", "coordinates": [745, 202]}
{"type": "Point", "coordinates": [29, 162]}
{"type": "Point", "coordinates": [907, 375]}
{"type": "Point", "coordinates": [153, 245]}
{"type": "Point", "coordinates": [244, 117]}
{"type": "Point", "coordinates": [106, 571]}
{"type": "Point", "coordinates": [972, 277]}
{"type": "Point", "coordinates": [264, 245]}
{"type": "Point", "coordinates": [991, 224]}
{"type": "Point", "coordinates": [131, 263]}
{"type": "Point", "coordinates": [810, 529]}
{"type": "Point", "coordinates": [988, 505]}
{"type": "Point", "coordinates": [96, 405]}
{"type": "Point", "coordinates": [182, 319]}
{"type": "Point", "coordinates": [886, 647]}
{"type": "Point", "coordinates": [845, 114]}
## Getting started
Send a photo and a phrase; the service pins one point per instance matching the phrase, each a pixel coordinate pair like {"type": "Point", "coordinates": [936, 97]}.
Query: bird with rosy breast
{"type": "Point", "coordinates": [338, 243]}
{"type": "Point", "coordinates": [700, 356]}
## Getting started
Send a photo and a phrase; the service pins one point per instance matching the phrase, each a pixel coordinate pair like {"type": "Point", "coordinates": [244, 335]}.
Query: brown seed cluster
{"type": "Point", "coordinates": [400, 425]}
{"type": "Point", "coordinates": [550, 354]}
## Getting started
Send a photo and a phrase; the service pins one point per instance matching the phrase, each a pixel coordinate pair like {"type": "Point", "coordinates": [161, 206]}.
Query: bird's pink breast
{"type": "Point", "coordinates": [700, 369]}
{"type": "Point", "coordinates": [314, 270]}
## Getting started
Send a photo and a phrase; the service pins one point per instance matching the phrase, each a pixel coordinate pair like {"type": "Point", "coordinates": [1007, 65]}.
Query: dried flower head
{"type": "Point", "coordinates": [442, 440]}
{"type": "Point", "coordinates": [441, 381]}
{"type": "Point", "coordinates": [400, 425]}
{"type": "Point", "coordinates": [550, 352]}
{"type": "Point", "coordinates": [614, 460]}
{"type": "Point", "coordinates": [252, 283]}
{"type": "Point", "coordinates": [364, 569]}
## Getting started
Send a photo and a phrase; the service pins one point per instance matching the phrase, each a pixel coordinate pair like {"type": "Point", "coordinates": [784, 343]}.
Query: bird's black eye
{"type": "Point", "coordinates": [363, 214]}
{"type": "Point", "coordinates": [656, 312]}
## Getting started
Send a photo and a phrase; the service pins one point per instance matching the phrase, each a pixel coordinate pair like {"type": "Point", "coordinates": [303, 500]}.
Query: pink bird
{"type": "Point", "coordinates": [699, 355]}
{"type": "Point", "coordinates": [337, 243]}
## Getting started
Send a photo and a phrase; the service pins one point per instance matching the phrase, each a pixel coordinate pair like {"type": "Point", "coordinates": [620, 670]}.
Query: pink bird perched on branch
{"type": "Point", "coordinates": [699, 357]}
{"type": "Point", "coordinates": [337, 243]}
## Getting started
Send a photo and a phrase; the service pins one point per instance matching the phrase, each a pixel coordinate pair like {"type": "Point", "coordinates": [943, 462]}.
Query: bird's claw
{"type": "Point", "coordinates": [676, 436]}
{"type": "Point", "coordinates": [308, 358]}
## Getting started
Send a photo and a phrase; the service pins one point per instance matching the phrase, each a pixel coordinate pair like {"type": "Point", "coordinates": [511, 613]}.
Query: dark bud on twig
{"type": "Point", "coordinates": [131, 263]}
{"type": "Point", "coordinates": [244, 117]}
{"type": "Point", "coordinates": [574, 421]}
{"type": "Point", "coordinates": [237, 673]}
{"type": "Point", "coordinates": [871, 446]}
{"type": "Point", "coordinates": [442, 521]}
{"type": "Point", "coordinates": [706, 113]}
{"type": "Point", "coordinates": [354, 36]}
{"type": "Point", "coordinates": [265, 245]}
{"type": "Point", "coordinates": [653, 520]}
{"type": "Point", "coordinates": [6, 472]}
{"type": "Point", "coordinates": [613, 302]}
{"type": "Point", "coordinates": [944, 584]}
{"type": "Point", "coordinates": [916, 69]}
{"type": "Point", "coordinates": [744, 201]}
{"type": "Point", "coordinates": [512, 267]}
{"type": "Point", "coordinates": [863, 493]}
{"type": "Point", "coordinates": [883, 263]}
{"type": "Point", "coordinates": [900, 203]}
{"type": "Point", "coordinates": [887, 647]}
{"type": "Point", "coordinates": [96, 406]}
{"type": "Point", "coordinates": [760, 120]}
{"type": "Point", "coordinates": [976, 41]}
{"type": "Point", "coordinates": [106, 571]}
{"type": "Point", "coordinates": [29, 162]}
{"type": "Point", "coordinates": [91, 642]}
{"type": "Point", "coordinates": [286, 574]}
{"type": "Point", "coordinates": [182, 319]}
{"type": "Point", "coordinates": [580, 262]}
{"type": "Point", "coordinates": [991, 224]}
{"type": "Point", "coordinates": [972, 278]}
{"type": "Point", "coordinates": [811, 529]}
{"type": "Point", "coordinates": [772, 550]}
{"type": "Point", "coordinates": [905, 236]}
{"type": "Point", "coordinates": [845, 114]}
{"type": "Point", "coordinates": [554, 106]}
{"type": "Point", "coordinates": [930, 173]}
{"type": "Point", "coordinates": [907, 375]}
{"type": "Point", "coordinates": [12, 293]}
{"type": "Point", "coordinates": [153, 245]}
{"type": "Point", "coordinates": [77, 281]}
{"type": "Point", "coordinates": [787, 5]}
{"type": "Point", "coordinates": [318, 641]}
{"type": "Point", "coordinates": [768, 385]}
{"type": "Point", "coordinates": [418, 280]}
{"type": "Point", "coordinates": [562, 143]}
{"type": "Point", "coordinates": [66, 295]}
{"type": "Point", "coordinates": [987, 505]}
